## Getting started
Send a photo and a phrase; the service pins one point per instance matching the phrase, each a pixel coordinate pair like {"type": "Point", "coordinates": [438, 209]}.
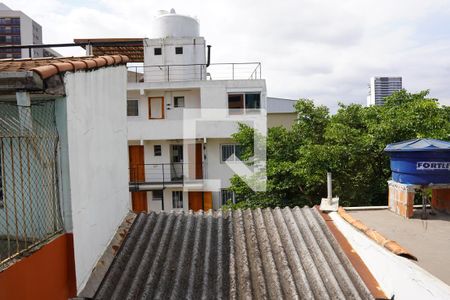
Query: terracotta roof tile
{"type": "Point", "coordinates": [392, 246]}
{"type": "Point", "coordinates": [47, 67]}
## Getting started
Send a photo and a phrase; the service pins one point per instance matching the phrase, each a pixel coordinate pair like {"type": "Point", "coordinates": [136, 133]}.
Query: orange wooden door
{"type": "Point", "coordinates": [139, 201]}
{"type": "Point", "coordinates": [196, 201]}
{"type": "Point", "coordinates": [207, 198]}
{"type": "Point", "coordinates": [195, 160]}
{"type": "Point", "coordinates": [136, 163]}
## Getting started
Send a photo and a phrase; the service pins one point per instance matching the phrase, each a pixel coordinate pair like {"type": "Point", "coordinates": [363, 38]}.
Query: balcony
{"type": "Point", "coordinates": [193, 72]}
{"type": "Point", "coordinates": [158, 176]}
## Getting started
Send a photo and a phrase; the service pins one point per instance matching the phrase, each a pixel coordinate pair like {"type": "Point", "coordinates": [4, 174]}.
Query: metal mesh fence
{"type": "Point", "coordinates": [29, 206]}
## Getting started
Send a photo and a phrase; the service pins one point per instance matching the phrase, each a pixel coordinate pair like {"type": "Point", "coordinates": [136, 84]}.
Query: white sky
{"type": "Point", "coordinates": [323, 50]}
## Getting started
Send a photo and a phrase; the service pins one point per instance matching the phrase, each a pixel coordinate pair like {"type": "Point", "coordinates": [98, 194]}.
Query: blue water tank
{"type": "Point", "coordinates": [420, 161]}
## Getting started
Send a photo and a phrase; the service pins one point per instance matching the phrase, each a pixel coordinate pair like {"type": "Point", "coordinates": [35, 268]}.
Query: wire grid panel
{"type": "Point", "coordinates": [29, 206]}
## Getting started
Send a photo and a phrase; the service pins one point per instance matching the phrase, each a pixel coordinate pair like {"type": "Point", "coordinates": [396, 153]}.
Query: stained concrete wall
{"type": "Point", "coordinates": [285, 120]}
{"type": "Point", "coordinates": [97, 154]}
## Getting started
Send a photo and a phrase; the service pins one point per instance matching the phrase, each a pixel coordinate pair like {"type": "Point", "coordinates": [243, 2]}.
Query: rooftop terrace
{"type": "Point", "coordinates": [428, 240]}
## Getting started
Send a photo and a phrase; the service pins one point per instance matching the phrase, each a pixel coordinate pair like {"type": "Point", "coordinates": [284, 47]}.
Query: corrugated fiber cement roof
{"type": "Point", "coordinates": [243, 254]}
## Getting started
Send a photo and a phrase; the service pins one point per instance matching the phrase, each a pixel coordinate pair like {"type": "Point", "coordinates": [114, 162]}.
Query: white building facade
{"type": "Point", "coordinates": [16, 28]}
{"type": "Point", "coordinates": [182, 112]}
{"type": "Point", "coordinates": [382, 87]}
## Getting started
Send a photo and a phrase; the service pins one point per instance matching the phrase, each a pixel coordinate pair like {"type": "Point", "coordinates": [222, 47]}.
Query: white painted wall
{"type": "Point", "coordinates": [396, 275]}
{"type": "Point", "coordinates": [190, 65]}
{"type": "Point", "coordinates": [97, 161]}
{"type": "Point", "coordinates": [168, 203]}
{"type": "Point", "coordinates": [206, 94]}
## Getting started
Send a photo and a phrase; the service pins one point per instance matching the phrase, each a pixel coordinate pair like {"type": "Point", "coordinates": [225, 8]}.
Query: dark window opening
{"type": "Point", "coordinates": [178, 101]}
{"type": "Point", "coordinates": [177, 199]}
{"type": "Point", "coordinates": [252, 101]}
{"type": "Point", "coordinates": [177, 153]}
{"type": "Point", "coordinates": [227, 195]}
{"type": "Point", "coordinates": [248, 102]}
{"type": "Point", "coordinates": [158, 51]}
{"type": "Point", "coordinates": [157, 150]}
{"type": "Point", "coordinates": [157, 195]}
{"type": "Point", "coordinates": [228, 151]}
{"type": "Point", "coordinates": [178, 50]}
{"type": "Point", "coordinates": [236, 103]}
{"type": "Point", "coordinates": [132, 108]}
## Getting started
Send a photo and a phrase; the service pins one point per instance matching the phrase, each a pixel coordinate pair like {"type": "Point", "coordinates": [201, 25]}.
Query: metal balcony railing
{"type": "Point", "coordinates": [192, 72]}
{"type": "Point", "coordinates": [165, 173]}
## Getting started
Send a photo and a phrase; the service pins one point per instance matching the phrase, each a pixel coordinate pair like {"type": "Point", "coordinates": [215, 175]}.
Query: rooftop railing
{"type": "Point", "coordinates": [193, 72]}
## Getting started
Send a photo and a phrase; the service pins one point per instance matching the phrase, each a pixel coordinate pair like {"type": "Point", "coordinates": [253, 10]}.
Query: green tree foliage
{"type": "Point", "coordinates": [349, 143]}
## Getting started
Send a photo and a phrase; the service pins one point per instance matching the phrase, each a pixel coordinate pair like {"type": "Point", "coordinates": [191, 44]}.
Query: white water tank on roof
{"type": "Point", "coordinates": [171, 24]}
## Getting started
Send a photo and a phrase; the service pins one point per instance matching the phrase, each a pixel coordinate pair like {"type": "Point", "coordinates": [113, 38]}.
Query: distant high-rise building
{"type": "Point", "coordinates": [16, 28]}
{"type": "Point", "coordinates": [382, 87]}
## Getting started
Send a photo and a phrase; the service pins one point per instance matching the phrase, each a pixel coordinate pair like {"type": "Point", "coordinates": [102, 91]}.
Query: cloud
{"type": "Point", "coordinates": [325, 50]}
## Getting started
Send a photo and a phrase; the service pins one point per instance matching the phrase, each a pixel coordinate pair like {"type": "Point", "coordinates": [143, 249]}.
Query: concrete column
{"type": "Point", "coordinates": [89, 50]}
{"type": "Point", "coordinates": [24, 104]}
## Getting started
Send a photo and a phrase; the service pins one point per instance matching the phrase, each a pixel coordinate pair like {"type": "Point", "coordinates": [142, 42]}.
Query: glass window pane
{"type": "Point", "coordinates": [157, 150]}
{"type": "Point", "coordinates": [132, 108]}
{"type": "Point", "coordinates": [177, 199]}
{"type": "Point", "coordinates": [253, 101]}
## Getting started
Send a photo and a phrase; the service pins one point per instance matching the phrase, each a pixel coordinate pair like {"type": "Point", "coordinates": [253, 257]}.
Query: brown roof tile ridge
{"type": "Point", "coordinates": [78, 63]}
{"type": "Point", "coordinates": [392, 246]}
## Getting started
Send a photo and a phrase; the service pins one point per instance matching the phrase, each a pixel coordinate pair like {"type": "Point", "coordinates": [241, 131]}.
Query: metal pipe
{"type": "Point", "coordinates": [329, 186]}
{"type": "Point", "coordinates": [208, 60]}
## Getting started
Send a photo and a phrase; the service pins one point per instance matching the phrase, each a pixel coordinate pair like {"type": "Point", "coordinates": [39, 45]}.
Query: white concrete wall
{"type": "Point", "coordinates": [193, 55]}
{"type": "Point", "coordinates": [98, 161]}
{"type": "Point", "coordinates": [207, 94]}
{"type": "Point", "coordinates": [217, 169]}
{"type": "Point", "coordinates": [168, 203]}
{"type": "Point", "coordinates": [396, 275]}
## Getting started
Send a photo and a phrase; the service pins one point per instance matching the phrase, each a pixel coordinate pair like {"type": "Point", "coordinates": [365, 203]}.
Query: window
{"type": "Point", "coordinates": [157, 51]}
{"type": "Point", "coordinates": [177, 199]}
{"type": "Point", "coordinates": [248, 102]}
{"type": "Point", "coordinates": [252, 101]}
{"type": "Point", "coordinates": [156, 107]}
{"type": "Point", "coordinates": [157, 150]}
{"type": "Point", "coordinates": [178, 101]}
{"type": "Point", "coordinates": [177, 153]}
{"type": "Point", "coordinates": [228, 151]}
{"type": "Point", "coordinates": [157, 195]}
{"type": "Point", "coordinates": [132, 108]}
{"type": "Point", "coordinates": [227, 195]}
{"type": "Point", "coordinates": [178, 50]}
